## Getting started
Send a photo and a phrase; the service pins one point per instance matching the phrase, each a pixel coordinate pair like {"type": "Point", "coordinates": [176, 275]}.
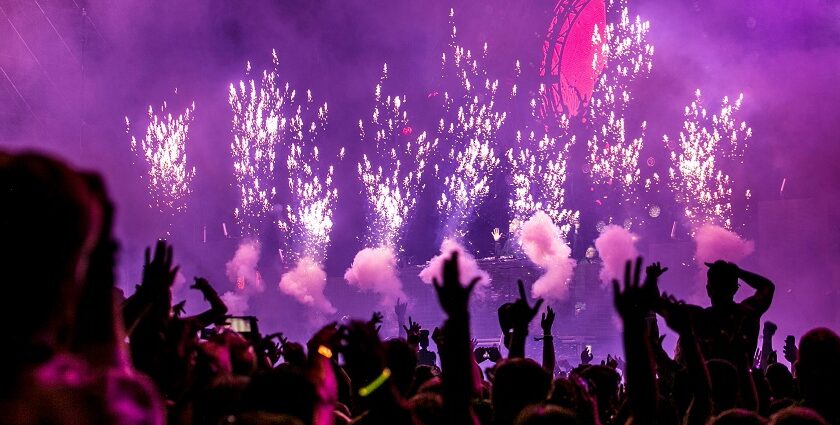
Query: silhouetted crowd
{"type": "Point", "coordinates": [74, 353]}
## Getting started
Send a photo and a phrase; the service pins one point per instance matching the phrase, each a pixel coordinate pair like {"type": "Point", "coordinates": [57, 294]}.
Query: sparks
{"type": "Point", "coordinates": [701, 185]}
{"type": "Point", "coordinates": [469, 125]}
{"type": "Point", "coordinates": [163, 149]}
{"type": "Point", "coordinates": [259, 121]}
{"type": "Point", "coordinates": [538, 168]}
{"type": "Point", "coordinates": [625, 55]}
{"type": "Point", "coordinates": [391, 168]}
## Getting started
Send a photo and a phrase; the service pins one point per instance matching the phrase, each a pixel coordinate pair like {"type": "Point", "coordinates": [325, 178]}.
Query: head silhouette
{"type": "Point", "coordinates": [722, 282]}
{"type": "Point", "coordinates": [50, 223]}
{"type": "Point", "coordinates": [518, 383]}
{"type": "Point", "coordinates": [818, 369]}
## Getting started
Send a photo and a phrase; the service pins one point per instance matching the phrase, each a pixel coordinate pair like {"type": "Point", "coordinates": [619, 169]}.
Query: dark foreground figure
{"type": "Point", "coordinates": [83, 356]}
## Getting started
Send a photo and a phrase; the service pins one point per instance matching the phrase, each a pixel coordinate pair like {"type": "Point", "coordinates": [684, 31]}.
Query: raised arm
{"type": "Point", "coordinates": [678, 318]}
{"type": "Point", "coordinates": [456, 355]}
{"type": "Point", "coordinates": [633, 305]}
{"type": "Point", "coordinates": [514, 318]}
{"type": "Point", "coordinates": [764, 290]}
{"type": "Point", "coordinates": [547, 321]}
{"type": "Point", "coordinates": [217, 310]}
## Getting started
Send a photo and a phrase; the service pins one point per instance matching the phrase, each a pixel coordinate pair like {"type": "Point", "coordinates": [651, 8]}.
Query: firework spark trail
{"type": "Point", "coordinates": [259, 121]}
{"type": "Point", "coordinates": [538, 168]}
{"type": "Point", "coordinates": [696, 177]}
{"type": "Point", "coordinates": [309, 213]}
{"type": "Point", "coordinates": [625, 55]}
{"type": "Point", "coordinates": [163, 148]}
{"type": "Point", "coordinates": [391, 168]}
{"type": "Point", "coordinates": [469, 126]}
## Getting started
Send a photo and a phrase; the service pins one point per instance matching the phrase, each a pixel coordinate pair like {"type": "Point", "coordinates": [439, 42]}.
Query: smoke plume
{"type": "Point", "coordinates": [543, 243]}
{"type": "Point", "coordinates": [242, 268]}
{"type": "Point", "coordinates": [236, 302]}
{"type": "Point", "coordinates": [306, 283]}
{"type": "Point", "coordinates": [375, 270]}
{"type": "Point", "coordinates": [716, 243]}
{"type": "Point", "coordinates": [467, 266]}
{"type": "Point", "coordinates": [615, 246]}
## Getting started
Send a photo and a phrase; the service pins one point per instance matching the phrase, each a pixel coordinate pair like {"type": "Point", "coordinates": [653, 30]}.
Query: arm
{"type": "Point", "coordinates": [399, 311]}
{"type": "Point", "coordinates": [678, 319]}
{"type": "Point", "coordinates": [456, 355]}
{"type": "Point", "coordinates": [767, 345]}
{"type": "Point", "coordinates": [548, 340]}
{"type": "Point", "coordinates": [764, 290]}
{"type": "Point", "coordinates": [519, 315]}
{"type": "Point", "coordinates": [633, 305]}
{"type": "Point", "coordinates": [217, 310]}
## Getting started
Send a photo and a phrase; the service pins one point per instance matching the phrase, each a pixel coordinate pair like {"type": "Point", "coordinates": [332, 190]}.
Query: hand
{"type": "Point", "coordinates": [400, 309]}
{"type": "Point", "coordinates": [326, 336]}
{"type": "Point", "coordinates": [413, 328]}
{"type": "Point", "coordinates": [790, 351]}
{"type": "Point", "coordinates": [178, 309]}
{"type": "Point", "coordinates": [479, 354]}
{"type": "Point", "coordinates": [547, 320]}
{"type": "Point", "coordinates": [437, 337]}
{"type": "Point", "coordinates": [375, 321]}
{"type": "Point", "coordinates": [519, 312]}
{"type": "Point", "coordinates": [770, 328]}
{"type": "Point", "coordinates": [586, 355]}
{"type": "Point", "coordinates": [675, 314]}
{"type": "Point", "coordinates": [496, 234]}
{"type": "Point", "coordinates": [452, 295]}
{"type": "Point", "coordinates": [158, 272]}
{"type": "Point", "coordinates": [636, 300]}
{"type": "Point", "coordinates": [493, 353]}
{"type": "Point", "coordinates": [612, 362]}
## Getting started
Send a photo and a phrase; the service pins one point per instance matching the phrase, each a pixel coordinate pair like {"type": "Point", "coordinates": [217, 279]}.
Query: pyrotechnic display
{"type": "Point", "coordinates": [468, 127]}
{"type": "Point", "coordinates": [624, 54]}
{"type": "Point", "coordinates": [698, 173]}
{"type": "Point", "coordinates": [302, 163]}
{"type": "Point", "coordinates": [164, 150]}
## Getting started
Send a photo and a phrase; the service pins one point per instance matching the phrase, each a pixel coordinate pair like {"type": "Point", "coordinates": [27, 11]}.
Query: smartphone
{"type": "Point", "coordinates": [239, 324]}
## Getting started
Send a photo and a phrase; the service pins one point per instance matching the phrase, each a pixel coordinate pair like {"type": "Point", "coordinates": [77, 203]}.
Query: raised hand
{"type": "Point", "coordinates": [496, 234]}
{"type": "Point", "coordinates": [675, 314]}
{"type": "Point", "coordinates": [452, 295]}
{"type": "Point", "coordinates": [413, 328]}
{"type": "Point", "coordinates": [636, 299]}
{"type": "Point", "coordinates": [521, 313]}
{"type": "Point", "coordinates": [178, 309]}
{"type": "Point", "coordinates": [547, 320]}
{"type": "Point", "coordinates": [770, 328]}
{"type": "Point", "coordinates": [790, 351]}
{"type": "Point", "coordinates": [586, 355]}
{"type": "Point", "coordinates": [158, 271]}
{"type": "Point", "coordinates": [375, 321]}
{"type": "Point", "coordinates": [655, 270]}
{"type": "Point", "coordinates": [493, 354]}
{"type": "Point", "coordinates": [400, 309]}
{"type": "Point", "coordinates": [437, 337]}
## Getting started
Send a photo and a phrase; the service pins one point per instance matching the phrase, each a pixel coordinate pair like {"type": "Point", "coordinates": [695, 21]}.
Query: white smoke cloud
{"type": "Point", "coordinates": [242, 272]}
{"type": "Point", "coordinates": [242, 268]}
{"type": "Point", "coordinates": [467, 266]}
{"type": "Point", "coordinates": [543, 243]}
{"type": "Point", "coordinates": [615, 246]}
{"type": "Point", "coordinates": [375, 270]}
{"type": "Point", "coordinates": [306, 283]}
{"type": "Point", "coordinates": [716, 243]}
{"type": "Point", "coordinates": [236, 302]}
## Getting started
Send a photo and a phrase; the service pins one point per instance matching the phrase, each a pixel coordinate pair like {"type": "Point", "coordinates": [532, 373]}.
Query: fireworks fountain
{"type": "Point", "coordinates": [470, 125]}
{"type": "Point", "coordinates": [625, 55]}
{"type": "Point", "coordinates": [391, 168]}
{"type": "Point", "coordinates": [163, 148]}
{"type": "Point", "coordinates": [697, 179]}
{"type": "Point", "coordinates": [258, 126]}
{"type": "Point", "coordinates": [538, 169]}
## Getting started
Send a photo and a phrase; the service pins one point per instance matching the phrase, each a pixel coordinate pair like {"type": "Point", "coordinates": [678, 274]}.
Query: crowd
{"type": "Point", "coordinates": [76, 354]}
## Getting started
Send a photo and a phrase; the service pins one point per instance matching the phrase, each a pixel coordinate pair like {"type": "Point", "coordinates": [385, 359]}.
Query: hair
{"type": "Point", "coordinates": [738, 417]}
{"type": "Point", "coordinates": [546, 415]}
{"type": "Point", "coordinates": [518, 383]}
{"type": "Point", "coordinates": [797, 416]}
{"type": "Point", "coordinates": [818, 368]}
{"type": "Point", "coordinates": [50, 221]}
